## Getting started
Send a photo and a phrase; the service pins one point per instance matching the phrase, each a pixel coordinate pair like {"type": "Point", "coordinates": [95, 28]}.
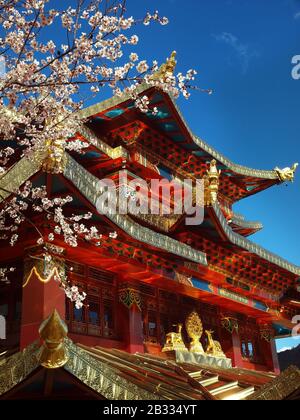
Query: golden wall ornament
{"type": "Point", "coordinates": [214, 347]}
{"type": "Point", "coordinates": [194, 328]}
{"type": "Point", "coordinates": [211, 184]}
{"type": "Point", "coordinates": [174, 341]}
{"type": "Point", "coordinates": [53, 331]}
{"type": "Point", "coordinates": [230, 324]}
{"type": "Point", "coordinates": [54, 274]}
{"type": "Point", "coordinates": [266, 333]}
{"type": "Point", "coordinates": [37, 266]}
{"type": "Point", "coordinates": [130, 297]}
{"type": "Point", "coordinates": [287, 174]}
{"type": "Point", "coordinates": [183, 279]}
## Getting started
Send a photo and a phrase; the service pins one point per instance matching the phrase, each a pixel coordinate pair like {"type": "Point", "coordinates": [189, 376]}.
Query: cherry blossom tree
{"type": "Point", "coordinates": [46, 83]}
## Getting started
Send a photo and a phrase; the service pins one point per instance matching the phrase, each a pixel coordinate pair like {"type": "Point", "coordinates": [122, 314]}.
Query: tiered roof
{"type": "Point", "coordinates": [121, 137]}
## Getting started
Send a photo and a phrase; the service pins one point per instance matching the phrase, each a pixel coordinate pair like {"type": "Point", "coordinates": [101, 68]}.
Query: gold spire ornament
{"type": "Point", "coordinates": [167, 69]}
{"type": "Point", "coordinates": [53, 155]}
{"type": "Point", "coordinates": [53, 331]}
{"type": "Point", "coordinates": [211, 184]}
{"type": "Point", "coordinates": [287, 174]}
{"type": "Point", "coordinates": [194, 329]}
{"type": "Point", "coordinates": [54, 161]}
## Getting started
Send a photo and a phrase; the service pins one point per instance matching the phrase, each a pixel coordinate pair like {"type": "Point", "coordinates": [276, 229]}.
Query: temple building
{"type": "Point", "coordinates": [164, 298]}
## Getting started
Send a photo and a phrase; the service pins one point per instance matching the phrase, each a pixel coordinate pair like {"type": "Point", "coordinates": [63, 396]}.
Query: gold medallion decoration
{"type": "Point", "coordinates": [130, 297]}
{"type": "Point", "coordinates": [194, 329]}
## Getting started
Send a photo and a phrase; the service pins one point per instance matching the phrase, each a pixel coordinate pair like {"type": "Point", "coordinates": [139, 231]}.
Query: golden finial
{"type": "Point", "coordinates": [53, 155]}
{"type": "Point", "coordinates": [167, 69]}
{"type": "Point", "coordinates": [287, 174]}
{"type": "Point", "coordinates": [54, 161]}
{"type": "Point", "coordinates": [53, 331]}
{"type": "Point", "coordinates": [211, 181]}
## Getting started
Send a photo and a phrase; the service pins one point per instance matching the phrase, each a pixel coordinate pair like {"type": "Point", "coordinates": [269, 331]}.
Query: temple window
{"type": "Point", "coordinates": [250, 350]}
{"type": "Point", "coordinates": [244, 350]}
{"type": "Point", "coordinates": [108, 316]}
{"type": "Point", "coordinates": [165, 327]}
{"type": "Point", "coordinates": [97, 316]}
{"type": "Point", "coordinates": [152, 326]}
{"type": "Point", "coordinates": [4, 309]}
{"type": "Point", "coordinates": [78, 315]}
{"type": "Point", "coordinates": [94, 312]}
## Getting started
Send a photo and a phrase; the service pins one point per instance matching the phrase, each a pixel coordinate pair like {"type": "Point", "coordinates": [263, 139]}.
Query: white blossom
{"type": "Point", "coordinates": [47, 82]}
{"type": "Point", "coordinates": [72, 293]}
{"type": "Point", "coordinates": [4, 272]}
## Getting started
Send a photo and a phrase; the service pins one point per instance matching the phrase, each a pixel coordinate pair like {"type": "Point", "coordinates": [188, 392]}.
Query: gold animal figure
{"type": "Point", "coordinates": [287, 174]}
{"type": "Point", "coordinates": [214, 347]}
{"type": "Point", "coordinates": [174, 340]}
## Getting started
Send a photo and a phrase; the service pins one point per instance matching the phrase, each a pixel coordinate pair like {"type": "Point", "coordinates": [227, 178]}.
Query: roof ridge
{"type": "Point", "coordinates": [252, 247]}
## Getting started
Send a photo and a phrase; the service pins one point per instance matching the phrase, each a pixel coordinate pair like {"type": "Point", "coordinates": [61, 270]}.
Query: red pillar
{"type": "Point", "coordinates": [270, 356]}
{"type": "Point", "coordinates": [38, 302]}
{"type": "Point", "coordinates": [275, 359]}
{"type": "Point", "coordinates": [130, 321]}
{"type": "Point", "coordinates": [237, 351]}
{"type": "Point", "coordinates": [131, 328]}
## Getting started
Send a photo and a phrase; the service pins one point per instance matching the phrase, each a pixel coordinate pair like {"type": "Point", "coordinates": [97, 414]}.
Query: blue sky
{"type": "Point", "coordinates": [287, 343]}
{"type": "Point", "coordinates": [242, 49]}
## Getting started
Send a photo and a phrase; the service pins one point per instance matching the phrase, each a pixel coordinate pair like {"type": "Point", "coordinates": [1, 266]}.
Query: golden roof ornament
{"type": "Point", "coordinates": [55, 160]}
{"type": "Point", "coordinates": [53, 155]}
{"type": "Point", "coordinates": [53, 331]}
{"type": "Point", "coordinates": [287, 174]}
{"type": "Point", "coordinates": [167, 69]}
{"type": "Point", "coordinates": [211, 184]}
